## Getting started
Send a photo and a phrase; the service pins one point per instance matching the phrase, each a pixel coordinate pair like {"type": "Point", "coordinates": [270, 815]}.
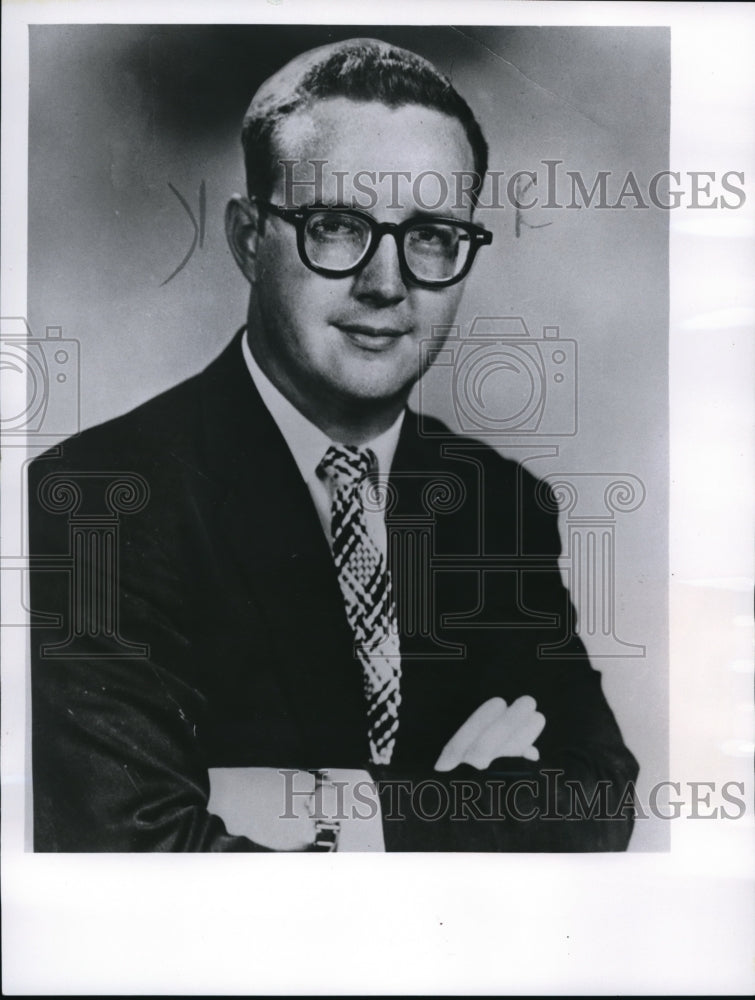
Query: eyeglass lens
{"type": "Point", "coordinates": [434, 251]}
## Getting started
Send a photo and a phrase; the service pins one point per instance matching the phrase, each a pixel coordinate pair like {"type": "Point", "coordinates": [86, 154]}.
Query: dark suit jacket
{"type": "Point", "coordinates": [223, 640]}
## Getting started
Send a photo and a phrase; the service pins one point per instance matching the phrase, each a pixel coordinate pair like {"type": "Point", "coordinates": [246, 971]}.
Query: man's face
{"type": "Point", "coordinates": [353, 340]}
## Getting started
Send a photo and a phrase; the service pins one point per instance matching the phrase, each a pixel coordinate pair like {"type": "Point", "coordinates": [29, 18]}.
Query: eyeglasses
{"type": "Point", "coordinates": [432, 252]}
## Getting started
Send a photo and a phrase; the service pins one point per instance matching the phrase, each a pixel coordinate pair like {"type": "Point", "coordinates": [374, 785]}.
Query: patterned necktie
{"type": "Point", "coordinates": [366, 587]}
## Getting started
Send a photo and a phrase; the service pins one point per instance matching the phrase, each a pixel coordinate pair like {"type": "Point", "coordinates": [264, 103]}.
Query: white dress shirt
{"type": "Point", "coordinates": [308, 445]}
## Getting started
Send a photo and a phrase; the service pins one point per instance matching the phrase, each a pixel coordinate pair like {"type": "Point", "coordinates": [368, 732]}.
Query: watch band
{"type": "Point", "coordinates": [326, 830]}
{"type": "Point", "coordinates": [326, 836]}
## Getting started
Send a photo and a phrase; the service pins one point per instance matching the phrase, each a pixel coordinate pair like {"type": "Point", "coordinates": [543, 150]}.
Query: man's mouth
{"type": "Point", "coordinates": [372, 338]}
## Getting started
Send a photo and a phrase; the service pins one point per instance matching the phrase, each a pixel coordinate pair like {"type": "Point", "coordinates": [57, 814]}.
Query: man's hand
{"type": "Point", "coordinates": [277, 807]}
{"type": "Point", "coordinates": [495, 729]}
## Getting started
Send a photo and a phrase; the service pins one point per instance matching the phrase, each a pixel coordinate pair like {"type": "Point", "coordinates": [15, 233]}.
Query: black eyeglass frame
{"type": "Point", "coordinates": [298, 218]}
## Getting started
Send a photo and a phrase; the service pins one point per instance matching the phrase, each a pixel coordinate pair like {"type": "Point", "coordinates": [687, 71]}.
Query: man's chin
{"type": "Point", "coordinates": [368, 388]}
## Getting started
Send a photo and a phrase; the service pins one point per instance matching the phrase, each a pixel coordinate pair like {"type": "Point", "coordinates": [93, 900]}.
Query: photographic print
{"type": "Point", "coordinates": [340, 430]}
{"type": "Point", "coordinates": [201, 619]}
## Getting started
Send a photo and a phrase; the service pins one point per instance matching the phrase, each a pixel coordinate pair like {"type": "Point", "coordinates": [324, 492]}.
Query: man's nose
{"type": "Point", "coordinates": [380, 281]}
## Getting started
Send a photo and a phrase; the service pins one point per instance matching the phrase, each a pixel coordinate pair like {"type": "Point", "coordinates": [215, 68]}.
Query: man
{"type": "Point", "coordinates": [299, 587]}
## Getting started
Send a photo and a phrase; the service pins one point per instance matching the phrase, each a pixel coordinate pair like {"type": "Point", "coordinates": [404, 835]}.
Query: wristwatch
{"type": "Point", "coordinates": [326, 830]}
{"type": "Point", "coordinates": [326, 835]}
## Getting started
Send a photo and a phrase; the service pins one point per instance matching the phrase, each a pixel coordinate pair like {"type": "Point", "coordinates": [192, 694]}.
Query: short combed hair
{"type": "Point", "coordinates": [361, 69]}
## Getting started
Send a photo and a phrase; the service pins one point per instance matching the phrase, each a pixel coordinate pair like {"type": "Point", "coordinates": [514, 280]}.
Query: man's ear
{"type": "Point", "coordinates": [242, 224]}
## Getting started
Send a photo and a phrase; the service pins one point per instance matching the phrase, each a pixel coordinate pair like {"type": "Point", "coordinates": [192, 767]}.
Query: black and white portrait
{"type": "Point", "coordinates": [344, 501]}
{"type": "Point", "coordinates": [334, 548]}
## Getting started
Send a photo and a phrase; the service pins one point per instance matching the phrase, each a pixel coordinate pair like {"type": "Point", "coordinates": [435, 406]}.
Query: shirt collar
{"type": "Point", "coordinates": [305, 440]}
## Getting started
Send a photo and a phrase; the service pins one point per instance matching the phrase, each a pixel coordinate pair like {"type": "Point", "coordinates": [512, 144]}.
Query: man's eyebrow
{"type": "Point", "coordinates": [420, 215]}
{"type": "Point", "coordinates": [335, 206]}
{"type": "Point", "coordinates": [435, 215]}
{"type": "Point", "coordinates": [327, 206]}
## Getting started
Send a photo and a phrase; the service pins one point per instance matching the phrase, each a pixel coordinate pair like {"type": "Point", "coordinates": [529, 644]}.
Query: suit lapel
{"type": "Point", "coordinates": [435, 501]}
{"type": "Point", "coordinates": [269, 528]}
{"type": "Point", "coordinates": [266, 526]}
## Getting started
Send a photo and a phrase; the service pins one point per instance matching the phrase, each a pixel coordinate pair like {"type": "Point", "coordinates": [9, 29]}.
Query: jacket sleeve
{"type": "Point", "coordinates": [580, 795]}
{"type": "Point", "coordinates": [117, 763]}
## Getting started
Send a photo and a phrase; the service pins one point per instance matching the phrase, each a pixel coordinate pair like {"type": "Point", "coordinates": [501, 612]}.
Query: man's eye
{"type": "Point", "coordinates": [434, 237]}
{"type": "Point", "coordinates": [428, 234]}
{"type": "Point", "coordinates": [334, 227]}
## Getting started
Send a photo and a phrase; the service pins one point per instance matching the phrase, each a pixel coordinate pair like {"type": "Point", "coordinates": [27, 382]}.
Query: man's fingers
{"type": "Point", "coordinates": [495, 730]}
{"type": "Point", "coordinates": [511, 736]}
{"type": "Point", "coordinates": [519, 711]}
{"type": "Point", "coordinates": [453, 752]}
{"type": "Point", "coordinates": [520, 738]}
{"type": "Point", "coordinates": [488, 746]}
{"type": "Point", "coordinates": [531, 728]}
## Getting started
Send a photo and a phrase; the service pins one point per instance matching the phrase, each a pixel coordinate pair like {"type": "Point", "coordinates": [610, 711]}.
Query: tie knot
{"type": "Point", "coordinates": [346, 465]}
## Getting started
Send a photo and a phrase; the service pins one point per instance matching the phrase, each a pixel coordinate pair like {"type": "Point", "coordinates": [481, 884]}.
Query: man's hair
{"type": "Point", "coordinates": [361, 69]}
